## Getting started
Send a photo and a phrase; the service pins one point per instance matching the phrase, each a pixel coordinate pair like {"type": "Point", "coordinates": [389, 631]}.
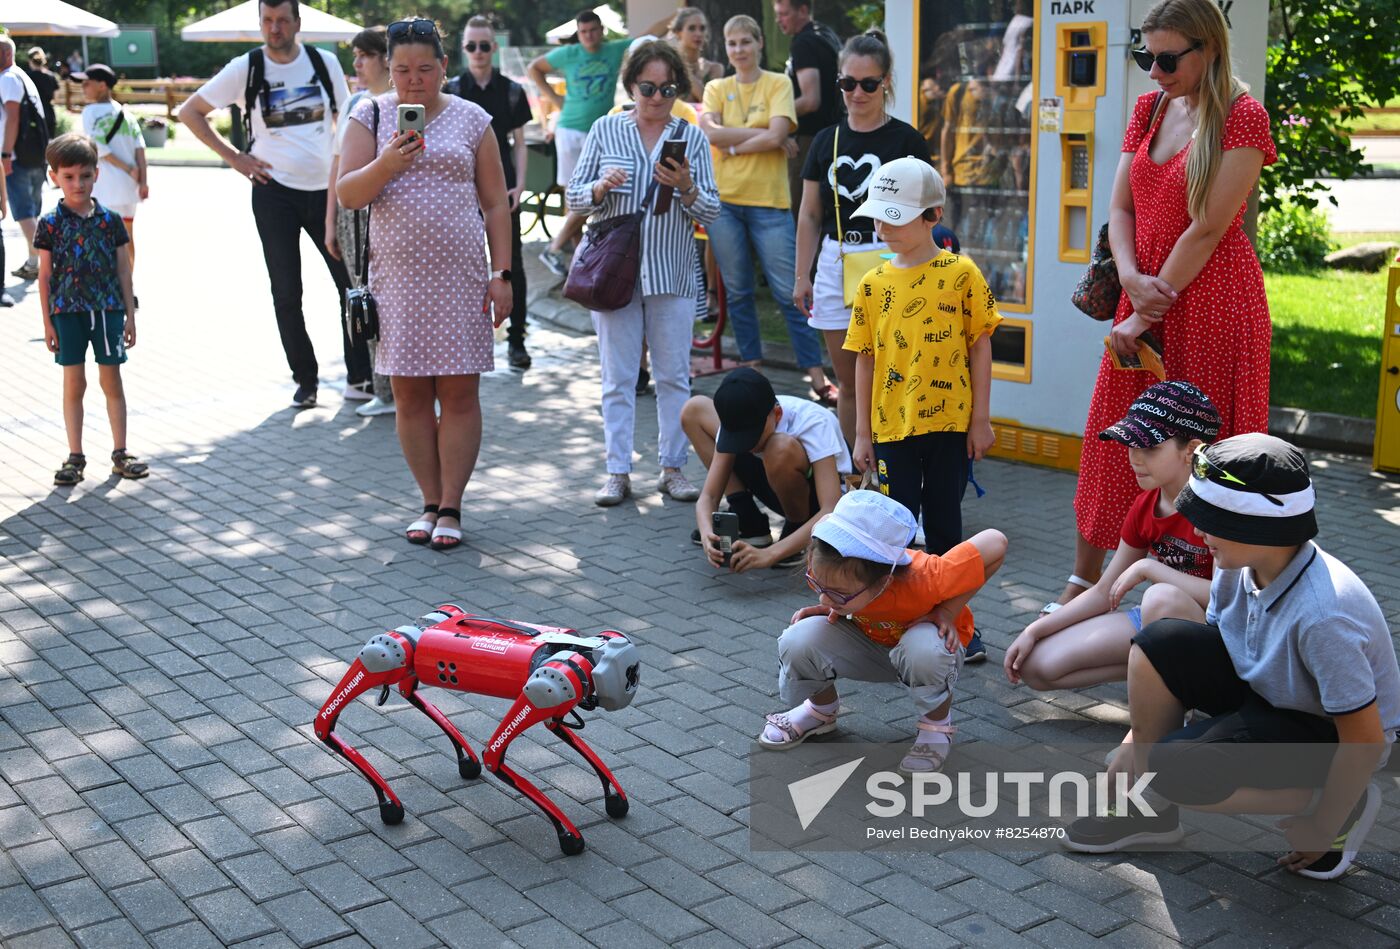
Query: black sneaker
{"type": "Point", "coordinates": [6, 299]}
{"type": "Point", "coordinates": [305, 397]}
{"type": "Point", "coordinates": [1339, 859]}
{"type": "Point", "coordinates": [794, 559]}
{"type": "Point", "coordinates": [643, 381]}
{"type": "Point", "coordinates": [517, 356]}
{"type": "Point", "coordinates": [976, 650]}
{"type": "Point", "coordinates": [1120, 832]}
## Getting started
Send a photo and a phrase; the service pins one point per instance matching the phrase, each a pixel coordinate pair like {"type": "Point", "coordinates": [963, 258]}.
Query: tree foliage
{"type": "Point", "coordinates": [1330, 62]}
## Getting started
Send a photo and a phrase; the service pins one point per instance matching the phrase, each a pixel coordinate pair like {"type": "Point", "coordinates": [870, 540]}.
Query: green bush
{"type": "Point", "coordinates": [63, 122]}
{"type": "Point", "coordinates": [1293, 238]}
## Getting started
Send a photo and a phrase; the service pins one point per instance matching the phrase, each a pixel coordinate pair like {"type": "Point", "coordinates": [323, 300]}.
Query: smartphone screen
{"type": "Point", "coordinates": [672, 153]}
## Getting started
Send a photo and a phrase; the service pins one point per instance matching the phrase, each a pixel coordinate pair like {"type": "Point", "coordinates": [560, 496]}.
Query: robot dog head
{"type": "Point", "coordinates": [617, 670]}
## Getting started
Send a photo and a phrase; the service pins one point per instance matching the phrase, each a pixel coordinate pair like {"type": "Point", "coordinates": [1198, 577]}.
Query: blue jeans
{"type": "Point", "coordinates": [25, 187]}
{"type": "Point", "coordinates": [739, 235]}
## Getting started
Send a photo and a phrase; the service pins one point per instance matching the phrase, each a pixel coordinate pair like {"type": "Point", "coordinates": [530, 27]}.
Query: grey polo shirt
{"type": "Point", "coordinates": [1314, 639]}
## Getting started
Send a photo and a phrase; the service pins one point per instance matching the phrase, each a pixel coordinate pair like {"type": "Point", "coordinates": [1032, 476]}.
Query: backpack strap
{"type": "Point", "coordinates": [323, 76]}
{"type": "Point", "coordinates": [116, 126]}
{"type": "Point", "coordinates": [256, 86]}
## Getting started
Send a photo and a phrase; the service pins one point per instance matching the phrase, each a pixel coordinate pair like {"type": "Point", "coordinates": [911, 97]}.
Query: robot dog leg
{"type": "Point", "coordinates": [551, 672]}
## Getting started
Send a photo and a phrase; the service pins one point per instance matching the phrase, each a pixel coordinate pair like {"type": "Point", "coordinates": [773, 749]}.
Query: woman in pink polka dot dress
{"type": "Point", "coordinates": [1188, 271]}
{"type": "Point", "coordinates": [437, 198]}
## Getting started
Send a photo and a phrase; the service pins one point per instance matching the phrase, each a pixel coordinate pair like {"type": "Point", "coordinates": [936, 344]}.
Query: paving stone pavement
{"type": "Point", "coordinates": [164, 645]}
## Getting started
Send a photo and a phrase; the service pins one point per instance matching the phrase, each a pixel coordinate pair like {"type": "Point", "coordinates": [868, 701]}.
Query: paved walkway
{"type": "Point", "coordinates": [165, 644]}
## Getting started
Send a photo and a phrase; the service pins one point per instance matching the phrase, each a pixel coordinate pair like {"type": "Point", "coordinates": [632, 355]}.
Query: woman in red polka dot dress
{"type": "Point", "coordinates": [1189, 273]}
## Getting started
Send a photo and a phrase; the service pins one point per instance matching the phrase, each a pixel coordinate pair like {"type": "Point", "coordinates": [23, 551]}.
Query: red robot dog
{"type": "Point", "coordinates": [549, 671]}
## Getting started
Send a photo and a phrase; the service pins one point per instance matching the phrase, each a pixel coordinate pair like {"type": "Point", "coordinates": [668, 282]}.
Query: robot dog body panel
{"type": "Point", "coordinates": [549, 671]}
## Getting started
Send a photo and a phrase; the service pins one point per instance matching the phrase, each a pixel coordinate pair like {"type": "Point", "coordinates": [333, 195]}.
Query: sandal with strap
{"type": "Point", "coordinates": [125, 464]}
{"type": "Point", "coordinates": [421, 530]}
{"type": "Point", "coordinates": [446, 538]}
{"type": "Point", "coordinates": [792, 735]}
{"type": "Point", "coordinates": [924, 757]}
{"type": "Point", "coordinates": [71, 471]}
{"type": "Point", "coordinates": [826, 395]}
{"type": "Point", "coordinates": [1075, 579]}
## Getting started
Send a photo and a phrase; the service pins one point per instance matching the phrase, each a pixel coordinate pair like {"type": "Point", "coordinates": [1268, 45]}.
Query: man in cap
{"type": "Point", "coordinates": [1294, 650]}
{"type": "Point", "coordinates": [779, 449]}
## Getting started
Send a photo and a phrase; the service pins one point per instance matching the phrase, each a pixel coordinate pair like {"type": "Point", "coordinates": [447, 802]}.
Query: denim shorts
{"type": "Point", "coordinates": [25, 187]}
{"type": "Point", "coordinates": [103, 328]}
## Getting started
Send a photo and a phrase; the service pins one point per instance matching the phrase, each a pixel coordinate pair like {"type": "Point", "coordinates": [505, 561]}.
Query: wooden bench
{"type": "Point", "coordinates": [171, 93]}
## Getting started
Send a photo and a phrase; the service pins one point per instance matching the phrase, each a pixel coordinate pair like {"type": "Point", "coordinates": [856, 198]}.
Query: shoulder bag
{"type": "Point", "coordinates": [603, 274]}
{"type": "Point", "coordinates": [362, 315]}
{"type": "Point", "coordinates": [1098, 291]}
{"type": "Point", "coordinates": [855, 266]}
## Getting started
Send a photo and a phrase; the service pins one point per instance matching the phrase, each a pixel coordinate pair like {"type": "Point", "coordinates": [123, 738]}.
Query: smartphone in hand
{"type": "Point", "coordinates": [412, 118]}
{"type": "Point", "coordinates": [672, 155]}
{"type": "Point", "coordinates": [726, 525]}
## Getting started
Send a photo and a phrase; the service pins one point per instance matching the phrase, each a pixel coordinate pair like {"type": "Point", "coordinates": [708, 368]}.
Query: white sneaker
{"type": "Point", "coordinates": [376, 406]}
{"type": "Point", "coordinates": [678, 486]}
{"type": "Point", "coordinates": [617, 487]}
{"type": "Point", "coordinates": [357, 394]}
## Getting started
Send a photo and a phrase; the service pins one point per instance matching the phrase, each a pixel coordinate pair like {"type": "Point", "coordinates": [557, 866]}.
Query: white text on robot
{"type": "Point", "coordinates": [510, 727]}
{"type": "Point", "coordinates": [340, 697]}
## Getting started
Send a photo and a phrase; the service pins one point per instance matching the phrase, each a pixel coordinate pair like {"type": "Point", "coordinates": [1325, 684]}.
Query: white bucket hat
{"type": "Point", "coordinates": [871, 526]}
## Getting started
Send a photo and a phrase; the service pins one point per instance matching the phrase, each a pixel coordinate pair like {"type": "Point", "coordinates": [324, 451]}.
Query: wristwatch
{"type": "Point", "coordinates": [501, 274]}
{"type": "Point", "coordinates": [7, 155]}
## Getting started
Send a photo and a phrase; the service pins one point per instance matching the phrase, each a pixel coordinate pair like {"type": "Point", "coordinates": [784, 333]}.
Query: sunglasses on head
{"type": "Point", "coordinates": [840, 599]}
{"type": "Point", "coordinates": [1202, 467]}
{"type": "Point", "coordinates": [472, 46]}
{"type": "Point", "coordinates": [401, 29]}
{"type": "Point", "coordinates": [1165, 61]}
{"type": "Point", "coordinates": [849, 83]}
{"type": "Point", "coordinates": [668, 90]}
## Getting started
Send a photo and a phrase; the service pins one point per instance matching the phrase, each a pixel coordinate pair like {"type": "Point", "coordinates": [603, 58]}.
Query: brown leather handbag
{"type": "Point", "coordinates": [603, 274]}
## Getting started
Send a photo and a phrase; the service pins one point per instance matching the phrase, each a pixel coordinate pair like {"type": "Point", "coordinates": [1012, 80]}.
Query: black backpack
{"type": "Point", "coordinates": [33, 137]}
{"type": "Point", "coordinates": [257, 86]}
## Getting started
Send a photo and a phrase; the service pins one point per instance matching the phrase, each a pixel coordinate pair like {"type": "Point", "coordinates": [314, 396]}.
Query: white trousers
{"type": "Point", "coordinates": [667, 323]}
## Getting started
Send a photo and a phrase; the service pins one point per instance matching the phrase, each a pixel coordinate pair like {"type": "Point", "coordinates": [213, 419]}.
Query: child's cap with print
{"type": "Point", "coordinates": [743, 402]}
{"type": "Point", "coordinates": [1251, 489]}
{"type": "Point", "coordinates": [871, 526]}
{"type": "Point", "coordinates": [1163, 410]}
{"type": "Point", "coordinates": [901, 190]}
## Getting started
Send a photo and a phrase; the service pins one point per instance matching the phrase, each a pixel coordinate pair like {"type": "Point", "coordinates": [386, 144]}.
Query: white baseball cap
{"type": "Point", "coordinates": [901, 190]}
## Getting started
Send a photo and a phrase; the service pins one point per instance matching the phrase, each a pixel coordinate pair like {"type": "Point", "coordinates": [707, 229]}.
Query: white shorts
{"type": "Point", "coordinates": [568, 146]}
{"type": "Point", "coordinates": [829, 310]}
{"type": "Point", "coordinates": [127, 212]}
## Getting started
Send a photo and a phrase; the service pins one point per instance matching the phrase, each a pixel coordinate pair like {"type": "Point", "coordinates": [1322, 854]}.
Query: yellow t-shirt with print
{"type": "Point", "coordinates": [759, 180]}
{"type": "Point", "coordinates": [919, 323]}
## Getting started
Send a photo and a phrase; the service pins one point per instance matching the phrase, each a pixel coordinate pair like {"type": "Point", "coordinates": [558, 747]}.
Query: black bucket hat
{"type": "Point", "coordinates": [1251, 489]}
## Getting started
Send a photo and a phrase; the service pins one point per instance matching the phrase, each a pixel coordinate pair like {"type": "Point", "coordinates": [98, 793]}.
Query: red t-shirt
{"type": "Point", "coordinates": [1171, 539]}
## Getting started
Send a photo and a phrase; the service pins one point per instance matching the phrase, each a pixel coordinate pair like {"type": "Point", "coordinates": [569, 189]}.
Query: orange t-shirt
{"type": "Point", "coordinates": [917, 588]}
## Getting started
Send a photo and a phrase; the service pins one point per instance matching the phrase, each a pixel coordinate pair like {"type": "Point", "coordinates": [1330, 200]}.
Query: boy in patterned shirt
{"type": "Point", "coordinates": [85, 296]}
{"type": "Point", "coordinates": [921, 326]}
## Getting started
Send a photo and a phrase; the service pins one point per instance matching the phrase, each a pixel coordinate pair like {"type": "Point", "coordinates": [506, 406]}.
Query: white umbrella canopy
{"type": "Point", "coordinates": [611, 22]}
{"type": "Point", "coordinates": [52, 18]}
{"type": "Point", "coordinates": [240, 25]}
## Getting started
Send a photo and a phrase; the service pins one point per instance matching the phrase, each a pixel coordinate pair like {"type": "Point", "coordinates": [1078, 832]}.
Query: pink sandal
{"type": "Point", "coordinates": [925, 758]}
{"type": "Point", "coordinates": [792, 737]}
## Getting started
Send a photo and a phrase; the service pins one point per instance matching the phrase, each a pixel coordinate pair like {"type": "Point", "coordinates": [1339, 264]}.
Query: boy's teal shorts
{"type": "Point", "coordinates": [104, 328]}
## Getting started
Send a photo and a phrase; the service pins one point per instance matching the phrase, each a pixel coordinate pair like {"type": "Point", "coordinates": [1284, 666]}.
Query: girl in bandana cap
{"type": "Point", "coordinates": [1086, 641]}
{"type": "Point", "coordinates": [885, 614]}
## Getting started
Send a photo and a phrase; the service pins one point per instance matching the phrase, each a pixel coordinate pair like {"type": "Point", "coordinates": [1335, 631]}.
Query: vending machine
{"type": "Point", "coordinates": [1024, 104]}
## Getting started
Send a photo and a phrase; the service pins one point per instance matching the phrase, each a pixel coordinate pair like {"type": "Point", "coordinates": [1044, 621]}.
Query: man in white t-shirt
{"type": "Point", "coordinates": [121, 151]}
{"type": "Point", "coordinates": [24, 179]}
{"type": "Point", "coordinates": [784, 451]}
{"type": "Point", "coordinates": [288, 163]}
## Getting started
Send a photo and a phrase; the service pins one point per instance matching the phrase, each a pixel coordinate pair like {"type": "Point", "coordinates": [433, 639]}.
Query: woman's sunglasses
{"type": "Point", "coordinates": [402, 29]}
{"type": "Point", "coordinates": [849, 83]}
{"type": "Point", "coordinates": [840, 599]}
{"type": "Point", "coordinates": [1165, 61]}
{"type": "Point", "coordinates": [472, 46]}
{"type": "Point", "coordinates": [668, 90]}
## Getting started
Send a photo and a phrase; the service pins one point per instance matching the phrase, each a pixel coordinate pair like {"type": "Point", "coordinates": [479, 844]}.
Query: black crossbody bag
{"type": "Point", "coordinates": [362, 315]}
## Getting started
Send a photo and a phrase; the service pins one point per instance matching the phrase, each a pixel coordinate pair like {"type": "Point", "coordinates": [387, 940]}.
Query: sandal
{"type": "Point", "coordinates": [446, 538]}
{"type": "Point", "coordinates": [826, 395]}
{"type": "Point", "coordinates": [792, 736]}
{"type": "Point", "coordinates": [71, 471]}
{"type": "Point", "coordinates": [1053, 605]}
{"type": "Point", "coordinates": [125, 464]}
{"type": "Point", "coordinates": [421, 530]}
{"type": "Point", "coordinates": [926, 758]}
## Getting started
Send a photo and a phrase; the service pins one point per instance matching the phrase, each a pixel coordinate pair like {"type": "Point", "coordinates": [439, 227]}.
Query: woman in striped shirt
{"type": "Point", "coordinates": [620, 159]}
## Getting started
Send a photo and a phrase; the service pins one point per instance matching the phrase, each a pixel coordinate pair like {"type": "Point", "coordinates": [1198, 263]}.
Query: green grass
{"type": "Point", "coordinates": [1327, 336]}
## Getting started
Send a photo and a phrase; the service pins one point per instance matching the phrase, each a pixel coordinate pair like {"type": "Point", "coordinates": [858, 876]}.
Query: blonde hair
{"type": "Point", "coordinates": [1201, 21]}
{"type": "Point", "coordinates": [746, 23]}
